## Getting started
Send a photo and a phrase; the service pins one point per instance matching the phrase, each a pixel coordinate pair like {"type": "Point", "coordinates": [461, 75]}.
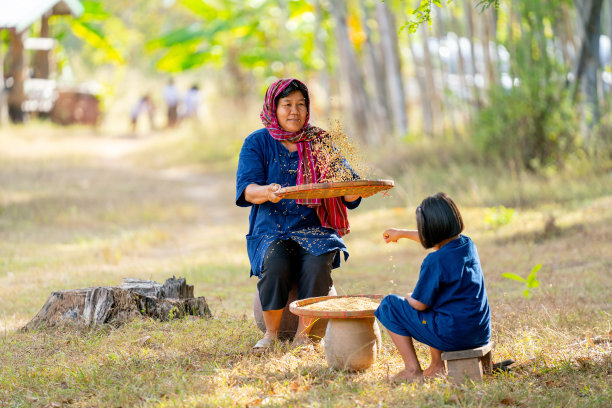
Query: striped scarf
{"type": "Point", "coordinates": [331, 211]}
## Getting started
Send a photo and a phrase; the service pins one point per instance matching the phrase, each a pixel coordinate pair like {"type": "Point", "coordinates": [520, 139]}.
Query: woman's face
{"type": "Point", "coordinates": [291, 111]}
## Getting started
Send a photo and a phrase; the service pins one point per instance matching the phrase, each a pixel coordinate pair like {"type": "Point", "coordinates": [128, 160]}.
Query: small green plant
{"type": "Point", "coordinates": [531, 281]}
{"type": "Point", "coordinates": [173, 313]}
{"type": "Point", "coordinates": [495, 217]}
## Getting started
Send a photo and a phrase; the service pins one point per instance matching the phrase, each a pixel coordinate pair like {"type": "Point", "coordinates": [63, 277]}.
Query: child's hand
{"type": "Point", "coordinates": [391, 235]}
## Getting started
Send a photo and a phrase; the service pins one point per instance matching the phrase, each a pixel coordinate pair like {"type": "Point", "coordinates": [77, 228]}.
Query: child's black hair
{"type": "Point", "coordinates": [438, 218]}
{"type": "Point", "coordinates": [292, 87]}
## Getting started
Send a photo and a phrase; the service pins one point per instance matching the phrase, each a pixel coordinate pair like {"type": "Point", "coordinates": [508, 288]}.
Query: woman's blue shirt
{"type": "Point", "coordinates": [263, 161]}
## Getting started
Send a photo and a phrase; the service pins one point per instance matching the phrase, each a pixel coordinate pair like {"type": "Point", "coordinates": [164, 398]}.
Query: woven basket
{"type": "Point", "coordinates": [297, 307]}
{"type": "Point", "coordinates": [364, 188]}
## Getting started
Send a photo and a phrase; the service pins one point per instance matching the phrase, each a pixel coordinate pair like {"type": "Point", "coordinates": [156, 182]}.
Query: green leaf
{"type": "Point", "coordinates": [533, 283]}
{"type": "Point", "coordinates": [193, 33]}
{"type": "Point", "coordinates": [94, 10]}
{"type": "Point", "coordinates": [96, 38]}
{"type": "Point", "coordinates": [179, 59]}
{"type": "Point", "coordinates": [513, 276]}
{"type": "Point", "coordinates": [536, 269]}
{"type": "Point", "coordinates": [200, 8]}
{"type": "Point", "coordinates": [526, 293]}
{"type": "Point", "coordinates": [297, 8]}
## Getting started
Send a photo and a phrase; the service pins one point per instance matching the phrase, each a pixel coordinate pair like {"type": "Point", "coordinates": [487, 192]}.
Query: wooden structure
{"type": "Point", "coordinates": [289, 321]}
{"type": "Point", "coordinates": [469, 364]}
{"type": "Point", "coordinates": [17, 17]}
{"type": "Point", "coordinates": [118, 304]}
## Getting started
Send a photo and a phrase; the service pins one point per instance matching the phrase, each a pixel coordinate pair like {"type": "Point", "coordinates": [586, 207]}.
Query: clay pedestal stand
{"type": "Point", "coordinates": [352, 338]}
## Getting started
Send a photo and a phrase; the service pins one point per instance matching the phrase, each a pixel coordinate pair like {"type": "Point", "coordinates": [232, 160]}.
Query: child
{"type": "Point", "coordinates": [144, 105]}
{"type": "Point", "coordinates": [448, 309]}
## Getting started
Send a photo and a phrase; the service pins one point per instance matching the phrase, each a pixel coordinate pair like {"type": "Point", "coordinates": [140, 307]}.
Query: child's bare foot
{"type": "Point", "coordinates": [435, 370]}
{"type": "Point", "coordinates": [408, 375]}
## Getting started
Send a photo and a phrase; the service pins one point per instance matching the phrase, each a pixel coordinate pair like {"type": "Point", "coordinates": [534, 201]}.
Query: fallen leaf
{"type": "Point", "coordinates": [255, 403]}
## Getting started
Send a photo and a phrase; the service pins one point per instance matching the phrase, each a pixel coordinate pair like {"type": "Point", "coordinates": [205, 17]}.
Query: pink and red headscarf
{"type": "Point", "coordinates": [331, 211]}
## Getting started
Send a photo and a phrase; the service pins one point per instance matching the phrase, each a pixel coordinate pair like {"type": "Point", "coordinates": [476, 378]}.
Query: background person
{"type": "Point", "coordinates": [288, 240]}
{"type": "Point", "coordinates": [192, 102]}
{"type": "Point", "coordinates": [171, 97]}
{"type": "Point", "coordinates": [144, 105]}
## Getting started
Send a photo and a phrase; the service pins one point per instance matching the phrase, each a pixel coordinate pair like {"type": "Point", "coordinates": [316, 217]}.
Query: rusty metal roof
{"type": "Point", "coordinates": [20, 14]}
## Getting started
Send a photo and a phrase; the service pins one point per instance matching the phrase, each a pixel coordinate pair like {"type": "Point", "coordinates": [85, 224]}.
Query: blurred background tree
{"type": "Point", "coordinates": [525, 82]}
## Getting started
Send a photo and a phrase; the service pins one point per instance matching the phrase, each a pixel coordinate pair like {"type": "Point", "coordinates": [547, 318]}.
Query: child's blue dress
{"type": "Point", "coordinates": [451, 284]}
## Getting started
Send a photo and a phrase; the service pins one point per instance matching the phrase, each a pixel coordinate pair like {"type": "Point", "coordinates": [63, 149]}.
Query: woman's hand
{"type": "Point", "coordinates": [271, 192]}
{"type": "Point", "coordinates": [257, 194]}
{"type": "Point", "coordinates": [351, 198]}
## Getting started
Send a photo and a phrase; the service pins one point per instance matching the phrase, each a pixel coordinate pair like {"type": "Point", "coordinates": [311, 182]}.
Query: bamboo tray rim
{"type": "Point", "coordinates": [336, 184]}
{"type": "Point", "coordinates": [296, 307]}
{"type": "Point", "coordinates": [341, 187]}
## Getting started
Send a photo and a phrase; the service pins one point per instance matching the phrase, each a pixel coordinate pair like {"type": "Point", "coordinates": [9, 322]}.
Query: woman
{"type": "Point", "coordinates": [289, 240]}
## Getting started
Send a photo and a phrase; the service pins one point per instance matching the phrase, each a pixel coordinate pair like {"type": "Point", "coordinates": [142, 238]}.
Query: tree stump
{"type": "Point", "coordinates": [115, 305]}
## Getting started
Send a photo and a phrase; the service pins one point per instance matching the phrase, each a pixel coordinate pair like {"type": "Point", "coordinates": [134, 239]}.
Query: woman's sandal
{"type": "Point", "coordinates": [264, 345]}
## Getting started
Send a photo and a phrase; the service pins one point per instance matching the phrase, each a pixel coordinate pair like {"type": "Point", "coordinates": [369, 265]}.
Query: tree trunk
{"type": "Point", "coordinates": [464, 92]}
{"type": "Point", "coordinates": [446, 102]}
{"type": "Point", "coordinates": [119, 304]}
{"type": "Point", "coordinates": [427, 114]}
{"type": "Point", "coordinates": [486, 51]}
{"type": "Point", "coordinates": [41, 63]}
{"type": "Point", "coordinates": [17, 93]}
{"type": "Point", "coordinates": [470, 36]}
{"type": "Point", "coordinates": [3, 113]}
{"type": "Point", "coordinates": [491, 22]}
{"type": "Point", "coordinates": [381, 109]}
{"type": "Point", "coordinates": [610, 21]}
{"type": "Point", "coordinates": [563, 34]}
{"type": "Point", "coordinates": [352, 72]}
{"type": "Point", "coordinates": [322, 51]}
{"type": "Point", "coordinates": [588, 62]}
{"type": "Point", "coordinates": [432, 92]}
{"type": "Point", "coordinates": [393, 69]}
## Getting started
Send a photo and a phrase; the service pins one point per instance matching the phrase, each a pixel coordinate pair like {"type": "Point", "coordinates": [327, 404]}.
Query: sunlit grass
{"type": "Point", "coordinates": [81, 209]}
{"type": "Point", "coordinates": [207, 362]}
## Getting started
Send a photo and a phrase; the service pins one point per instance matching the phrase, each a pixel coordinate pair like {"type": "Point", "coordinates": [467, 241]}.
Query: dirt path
{"type": "Point", "coordinates": [78, 210]}
{"type": "Point", "coordinates": [101, 169]}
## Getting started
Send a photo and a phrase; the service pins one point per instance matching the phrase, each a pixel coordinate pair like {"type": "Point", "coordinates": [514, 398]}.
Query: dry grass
{"type": "Point", "coordinates": [79, 208]}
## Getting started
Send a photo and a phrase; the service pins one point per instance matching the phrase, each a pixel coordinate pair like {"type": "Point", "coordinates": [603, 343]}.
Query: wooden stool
{"type": "Point", "coordinates": [289, 321]}
{"type": "Point", "coordinates": [470, 364]}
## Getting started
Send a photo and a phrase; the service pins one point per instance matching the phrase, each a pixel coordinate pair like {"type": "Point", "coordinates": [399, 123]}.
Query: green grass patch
{"type": "Point", "coordinates": [79, 209]}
